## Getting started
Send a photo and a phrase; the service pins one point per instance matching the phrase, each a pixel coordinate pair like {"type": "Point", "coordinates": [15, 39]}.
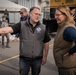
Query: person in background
{"type": "Point", "coordinates": [4, 23]}
{"type": "Point", "coordinates": [64, 48]}
{"type": "Point", "coordinates": [24, 16]}
{"type": "Point", "coordinates": [34, 42]}
{"type": "Point", "coordinates": [73, 13]}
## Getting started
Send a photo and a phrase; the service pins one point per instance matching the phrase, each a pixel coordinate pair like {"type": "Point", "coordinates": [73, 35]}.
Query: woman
{"type": "Point", "coordinates": [64, 44]}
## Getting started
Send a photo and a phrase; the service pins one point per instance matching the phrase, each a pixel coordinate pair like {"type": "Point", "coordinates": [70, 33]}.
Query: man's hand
{"type": "Point", "coordinates": [5, 30]}
{"type": "Point", "coordinates": [44, 59]}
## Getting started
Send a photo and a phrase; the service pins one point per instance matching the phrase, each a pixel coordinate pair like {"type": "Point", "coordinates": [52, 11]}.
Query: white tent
{"type": "Point", "coordinates": [10, 6]}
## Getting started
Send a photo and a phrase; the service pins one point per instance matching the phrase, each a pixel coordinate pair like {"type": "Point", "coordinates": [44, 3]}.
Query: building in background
{"type": "Point", "coordinates": [30, 3]}
{"type": "Point", "coordinates": [15, 1]}
{"type": "Point", "coordinates": [11, 10]}
{"type": "Point", "coordinates": [14, 16]}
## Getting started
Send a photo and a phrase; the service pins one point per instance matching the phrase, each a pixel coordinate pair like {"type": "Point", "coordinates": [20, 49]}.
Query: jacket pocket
{"type": "Point", "coordinates": [69, 61]}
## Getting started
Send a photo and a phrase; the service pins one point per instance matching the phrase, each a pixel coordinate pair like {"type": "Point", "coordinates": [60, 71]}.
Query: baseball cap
{"type": "Point", "coordinates": [23, 10]}
{"type": "Point", "coordinates": [4, 16]}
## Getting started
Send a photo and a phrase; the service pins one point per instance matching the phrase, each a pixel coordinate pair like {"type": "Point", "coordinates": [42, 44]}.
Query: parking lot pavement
{"type": "Point", "coordinates": [9, 61]}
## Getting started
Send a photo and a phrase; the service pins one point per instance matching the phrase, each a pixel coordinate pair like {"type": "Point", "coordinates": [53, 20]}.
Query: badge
{"type": "Point", "coordinates": [38, 29]}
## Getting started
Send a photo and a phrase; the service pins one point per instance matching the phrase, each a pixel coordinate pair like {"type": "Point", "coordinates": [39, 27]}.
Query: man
{"type": "Point", "coordinates": [24, 16]}
{"type": "Point", "coordinates": [34, 42]}
{"type": "Point", "coordinates": [4, 23]}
